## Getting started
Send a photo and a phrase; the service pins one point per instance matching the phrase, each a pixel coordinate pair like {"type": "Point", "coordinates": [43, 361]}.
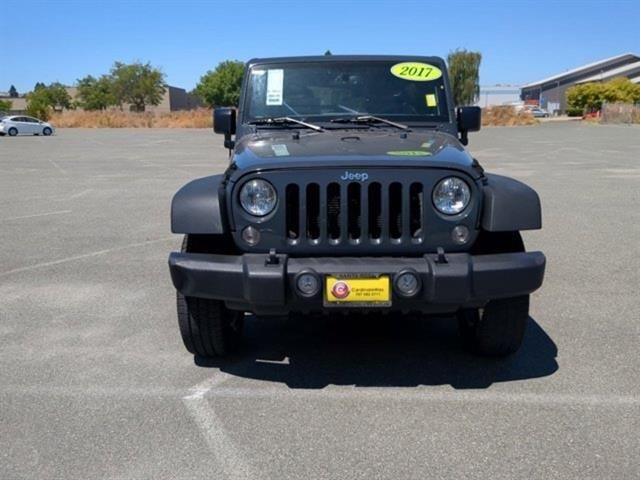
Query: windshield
{"type": "Point", "coordinates": [321, 91]}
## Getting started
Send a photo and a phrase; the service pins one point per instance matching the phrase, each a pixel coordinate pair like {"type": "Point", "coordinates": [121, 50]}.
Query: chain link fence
{"type": "Point", "coordinates": [620, 113]}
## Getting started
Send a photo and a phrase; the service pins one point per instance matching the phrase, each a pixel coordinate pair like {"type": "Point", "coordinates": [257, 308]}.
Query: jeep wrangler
{"type": "Point", "coordinates": [349, 189]}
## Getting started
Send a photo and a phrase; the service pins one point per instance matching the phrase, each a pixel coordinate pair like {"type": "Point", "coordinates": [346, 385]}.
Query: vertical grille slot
{"type": "Point", "coordinates": [333, 211]}
{"type": "Point", "coordinates": [355, 211]}
{"type": "Point", "coordinates": [292, 196]}
{"type": "Point", "coordinates": [336, 213]}
{"type": "Point", "coordinates": [395, 210]}
{"type": "Point", "coordinates": [375, 211]}
{"type": "Point", "coordinates": [416, 209]}
{"type": "Point", "coordinates": [313, 211]}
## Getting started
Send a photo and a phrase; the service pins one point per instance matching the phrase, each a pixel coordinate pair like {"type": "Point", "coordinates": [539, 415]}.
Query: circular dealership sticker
{"type": "Point", "coordinates": [416, 72]}
{"type": "Point", "coordinates": [340, 290]}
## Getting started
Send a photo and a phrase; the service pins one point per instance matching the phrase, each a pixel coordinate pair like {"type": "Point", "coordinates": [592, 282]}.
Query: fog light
{"type": "Point", "coordinates": [407, 283]}
{"type": "Point", "coordinates": [460, 235]}
{"type": "Point", "coordinates": [251, 235]}
{"type": "Point", "coordinates": [308, 284]}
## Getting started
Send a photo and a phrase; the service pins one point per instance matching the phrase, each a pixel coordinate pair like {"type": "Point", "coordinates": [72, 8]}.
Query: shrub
{"type": "Point", "coordinates": [574, 111]}
{"type": "Point", "coordinates": [5, 105]}
{"type": "Point", "coordinates": [200, 118]}
{"type": "Point", "coordinates": [506, 116]}
{"type": "Point", "coordinates": [591, 96]}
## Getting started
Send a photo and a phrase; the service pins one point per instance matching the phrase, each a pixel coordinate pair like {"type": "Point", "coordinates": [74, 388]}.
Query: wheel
{"type": "Point", "coordinates": [13, 131]}
{"type": "Point", "coordinates": [207, 327]}
{"type": "Point", "coordinates": [497, 330]}
{"type": "Point", "coordinates": [46, 131]}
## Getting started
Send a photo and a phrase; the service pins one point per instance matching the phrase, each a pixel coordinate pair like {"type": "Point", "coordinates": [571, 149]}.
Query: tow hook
{"type": "Point", "coordinates": [272, 259]}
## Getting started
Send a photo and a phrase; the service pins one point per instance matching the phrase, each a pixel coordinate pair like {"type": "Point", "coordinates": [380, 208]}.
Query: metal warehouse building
{"type": "Point", "coordinates": [550, 92]}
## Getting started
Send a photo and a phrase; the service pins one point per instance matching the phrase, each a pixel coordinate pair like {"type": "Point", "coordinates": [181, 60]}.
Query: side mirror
{"type": "Point", "coordinates": [224, 121]}
{"type": "Point", "coordinates": [469, 120]}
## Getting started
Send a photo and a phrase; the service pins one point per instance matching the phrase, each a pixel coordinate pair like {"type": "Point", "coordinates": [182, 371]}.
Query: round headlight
{"type": "Point", "coordinates": [451, 195]}
{"type": "Point", "coordinates": [258, 197]}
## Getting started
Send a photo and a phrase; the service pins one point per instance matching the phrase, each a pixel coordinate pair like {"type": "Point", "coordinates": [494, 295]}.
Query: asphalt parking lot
{"type": "Point", "coordinates": [95, 382]}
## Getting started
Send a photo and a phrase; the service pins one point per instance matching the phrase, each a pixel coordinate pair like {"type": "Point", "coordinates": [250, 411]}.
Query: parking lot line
{"type": "Point", "coordinates": [58, 167]}
{"type": "Point", "coordinates": [84, 255]}
{"type": "Point", "coordinates": [212, 388]}
{"type": "Point", "coordinates": [228, 457]}
{"type": "Point", "coordinates": [35, 215]}
{"type": "Point", "coordinates": [495, 397]}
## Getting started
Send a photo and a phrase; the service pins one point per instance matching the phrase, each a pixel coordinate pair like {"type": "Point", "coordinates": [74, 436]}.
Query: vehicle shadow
{"type": "Point", "coordinates": [377, 352]}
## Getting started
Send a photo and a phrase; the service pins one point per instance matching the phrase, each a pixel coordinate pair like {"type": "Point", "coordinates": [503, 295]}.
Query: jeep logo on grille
{"type": "Point", "coordinates": [359, 176]}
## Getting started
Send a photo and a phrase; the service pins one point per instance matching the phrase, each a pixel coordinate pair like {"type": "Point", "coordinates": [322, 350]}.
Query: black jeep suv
{"type": "Point", "coordinates": [349, 189]}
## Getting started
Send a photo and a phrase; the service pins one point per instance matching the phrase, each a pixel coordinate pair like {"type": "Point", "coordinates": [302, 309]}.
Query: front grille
{"type": "Point", "coordinates": [354, 213]}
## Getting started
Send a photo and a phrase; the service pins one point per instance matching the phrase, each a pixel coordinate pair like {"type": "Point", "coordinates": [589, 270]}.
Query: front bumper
{"type": "Point", "coordinates": [266, 285]}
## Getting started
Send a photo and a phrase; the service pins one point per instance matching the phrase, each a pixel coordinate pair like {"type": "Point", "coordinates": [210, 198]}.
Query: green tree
{"type": "Point", "coordinates": [464, 73]}
{"type": "Point", "coordinates": [96, 93]}
{"type": "Point", "coordinates": [137, 84]}
{"type": "Point", "coordinates": [13, 93]}
{"type": "Point", "coordinates": [57, 95]}
{"type": "Point", "coordinates": [5, 105]}
{"type": "Point", "coordinates": [38, 86]}
{"type": "Point", "coordinates": [44, 99]}
{"type": "Point", "coordinates": [38, 104]}
{"type": "Point", "coordinates": [221, 86]}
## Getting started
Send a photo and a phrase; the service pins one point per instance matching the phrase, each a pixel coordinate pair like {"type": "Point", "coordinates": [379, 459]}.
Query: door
{"type": "Point", "coordinates": [24, 127]}
{"type": "Point", "coordinates": [32, 125]}
{"type": "Point", "coordinates": [19, 124]}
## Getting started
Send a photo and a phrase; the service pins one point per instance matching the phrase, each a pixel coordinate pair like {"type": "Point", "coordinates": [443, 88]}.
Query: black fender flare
{"type": "Point", "coordinates": [198, 207]}
{"type": "Point", "coordinates": [509, 205]}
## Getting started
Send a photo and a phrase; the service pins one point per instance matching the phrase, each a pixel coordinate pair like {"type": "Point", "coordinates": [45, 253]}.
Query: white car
{"type": "Point", "coordinates": [13, 125]}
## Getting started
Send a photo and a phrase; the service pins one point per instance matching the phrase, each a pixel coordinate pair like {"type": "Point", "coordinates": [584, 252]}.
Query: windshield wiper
{"type": "Point", "coordinates": [285, 121]}
{"type": "Point", "coordinates": [369, 119]}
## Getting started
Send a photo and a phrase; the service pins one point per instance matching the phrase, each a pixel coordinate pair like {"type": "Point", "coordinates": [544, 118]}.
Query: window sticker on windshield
{"type": "Point", "coordinates": [416, 72]}
{"type": "Point", "coordinates": [431, 100]}
{"type": "Point", "coordinates": [409, 153]}
{"type": "Point", "coordinates": [280, 150]}
{"type": "Point", "coordinates": [275, 83]}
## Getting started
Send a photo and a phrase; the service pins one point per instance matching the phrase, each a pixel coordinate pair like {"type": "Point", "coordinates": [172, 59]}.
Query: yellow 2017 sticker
{"type": "Point", "coordinates": [416, 72]}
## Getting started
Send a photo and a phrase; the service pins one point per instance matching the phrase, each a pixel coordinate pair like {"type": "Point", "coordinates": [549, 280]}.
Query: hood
{"type": "Point", "coordinates": [276, 149]}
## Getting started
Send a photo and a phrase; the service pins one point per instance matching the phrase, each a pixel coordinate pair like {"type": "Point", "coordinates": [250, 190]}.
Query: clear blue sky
{"type": "Point", "coordinates": [520, 41]}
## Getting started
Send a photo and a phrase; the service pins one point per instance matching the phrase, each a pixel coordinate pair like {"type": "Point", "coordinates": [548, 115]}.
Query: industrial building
{"type": "Point", "coordinates": [550, 93]}
{"type": "Point", "coordinates": [173, 99]}
{"type": "Point", "coordinates": [492, 95]}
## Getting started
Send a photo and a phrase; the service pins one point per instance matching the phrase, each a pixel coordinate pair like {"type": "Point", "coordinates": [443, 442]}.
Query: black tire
{"type": "Point", "coordinates": [208, 328]}
{"type": "Point", "coordinates": [46, 131]}
{"type": "Point", "coordinates": [13, 131]}
{"type": "Point", "coordinates": [498, 330]}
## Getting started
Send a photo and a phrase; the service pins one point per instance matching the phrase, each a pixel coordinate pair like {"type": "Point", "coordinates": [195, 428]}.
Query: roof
{"type": "Point", "coordinates": [346, 58]}
{"type": "Point", "coordinates": [583, 68]}
{"type": "Point", "coordinates": [616, 72]}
